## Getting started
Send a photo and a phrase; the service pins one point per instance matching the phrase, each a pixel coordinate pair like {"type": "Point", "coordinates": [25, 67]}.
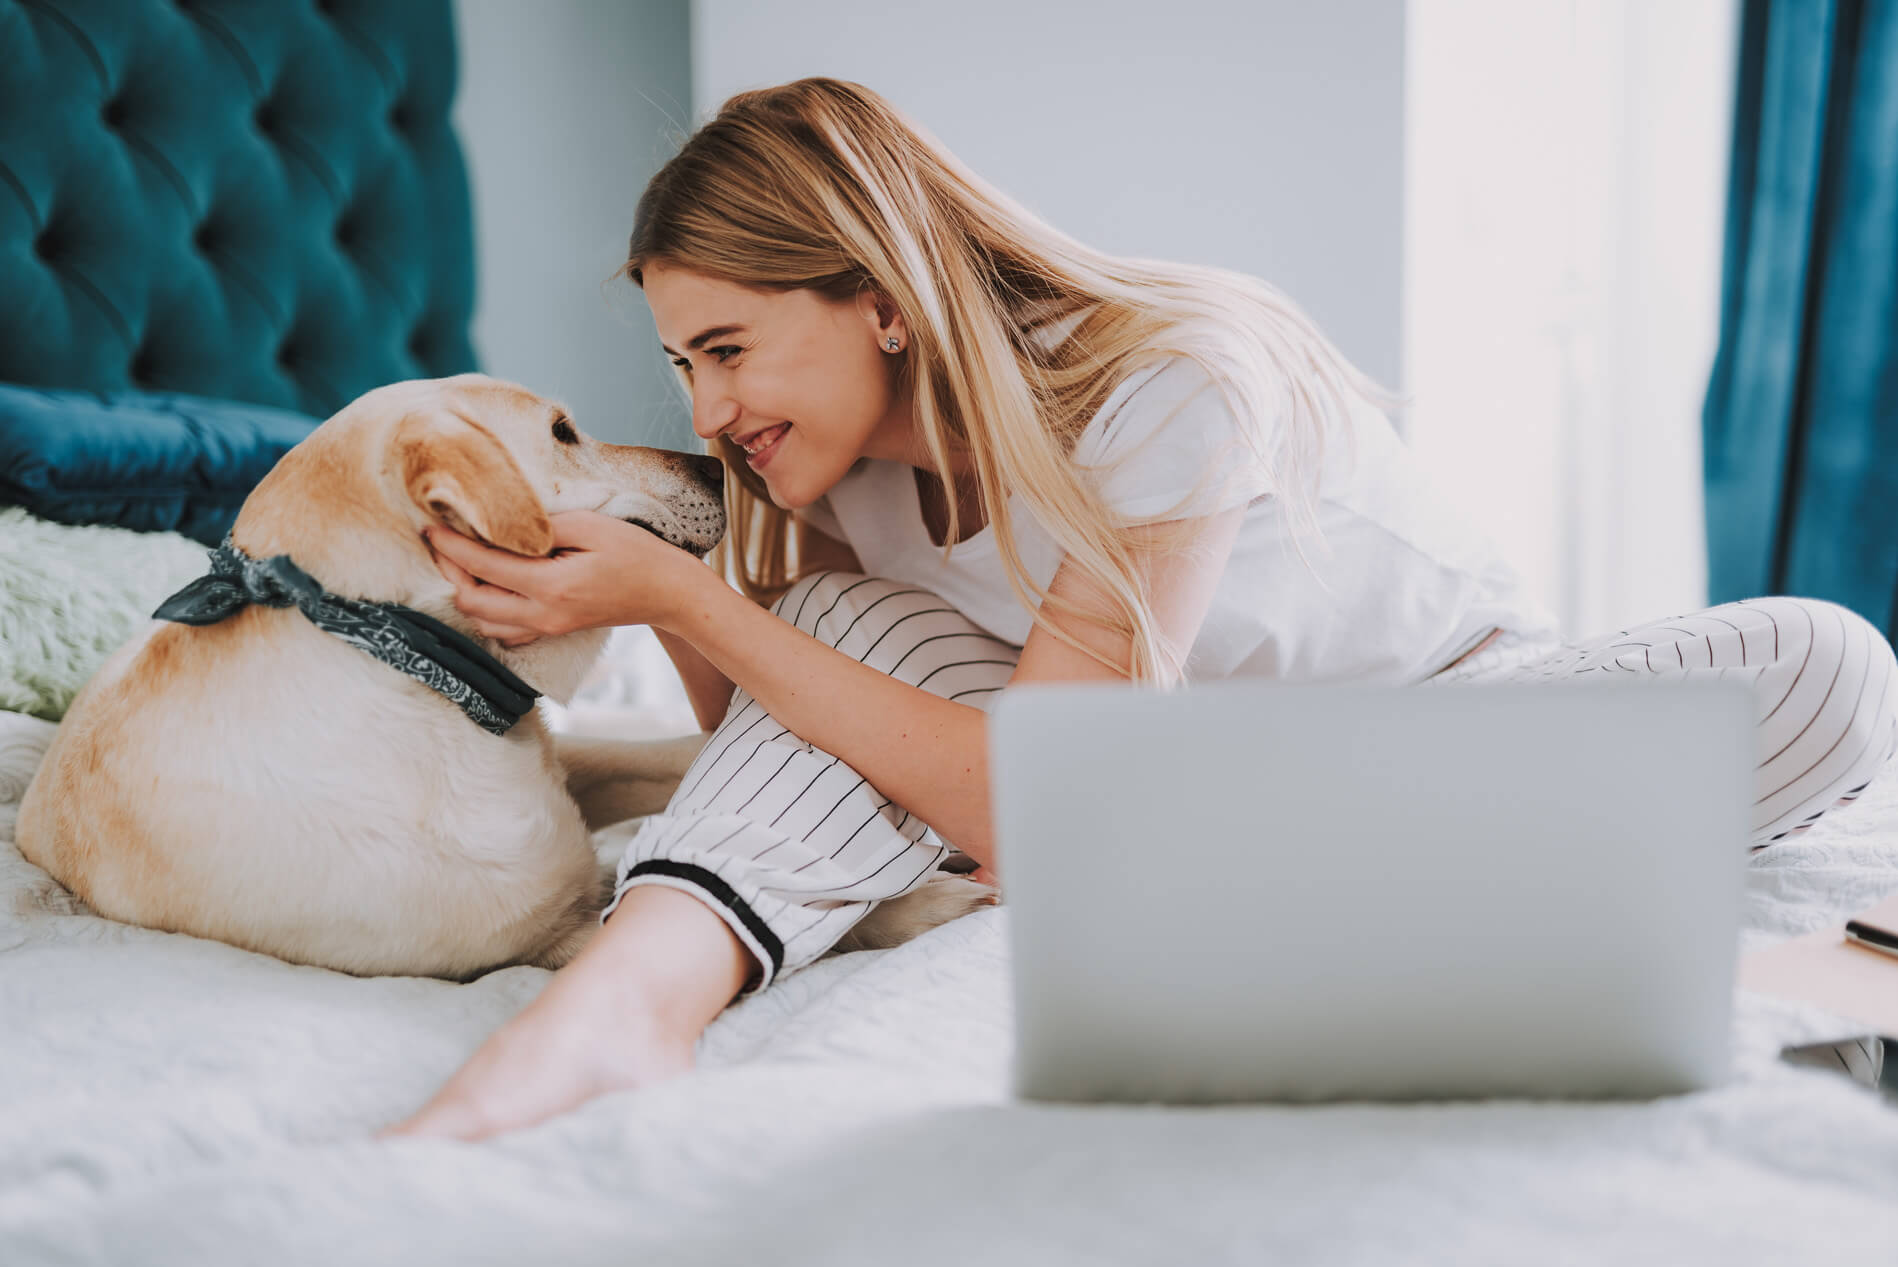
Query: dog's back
{"type": "Point", "coordinates": [261, 780]}
{"type": "Point", "coordinates": [262, 783]}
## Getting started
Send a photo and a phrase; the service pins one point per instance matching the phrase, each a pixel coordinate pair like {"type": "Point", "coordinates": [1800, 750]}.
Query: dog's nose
{"type": "Point", "coordinates": [713, 470]}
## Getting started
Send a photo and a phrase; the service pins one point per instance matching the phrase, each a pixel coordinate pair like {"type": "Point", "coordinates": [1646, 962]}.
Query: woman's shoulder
{"type": "Point", "coordinates": [1169, 438]}
{"type": "Point", "coordinates": [1154, 394]}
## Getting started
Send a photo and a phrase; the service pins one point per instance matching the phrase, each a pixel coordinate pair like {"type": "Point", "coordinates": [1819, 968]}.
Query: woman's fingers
{"type": "Point", "coordinates": [497, 612]}
{"type": "Point", "coordinates": [456, 575]}
{"type": "Point", "coordinates": [497, 606]}
{"type": "Point", "coordinates": [509, 634]}
{"type": "Point", "coordinates": [581, 529]}
{"type": "Point", "coordinates": [494, 610]}
{"type": "Point", "coordinates": [496, 567]}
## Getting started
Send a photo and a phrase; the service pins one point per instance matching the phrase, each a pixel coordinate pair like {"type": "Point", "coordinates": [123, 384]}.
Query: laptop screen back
{"type": "Point", "coordinates": [1250, 891]}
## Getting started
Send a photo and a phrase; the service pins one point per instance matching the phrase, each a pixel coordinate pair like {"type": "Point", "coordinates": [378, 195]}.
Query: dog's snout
{"type": "Point", "coordinates": [712, 470]}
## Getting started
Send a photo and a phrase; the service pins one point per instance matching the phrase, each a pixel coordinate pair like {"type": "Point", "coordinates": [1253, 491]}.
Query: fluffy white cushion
{"type": "Point", "coordinates": [70, 596]}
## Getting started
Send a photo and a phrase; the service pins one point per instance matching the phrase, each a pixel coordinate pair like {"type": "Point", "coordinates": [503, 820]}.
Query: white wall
{"type": "Point", "coordinates": [565, 108]}
{"type": "Point", "coordinates": [1265, 136]}
{"type": "Point", "coordinates": [1567, 185]}
{"type": "Point", "coordinates": [1548, 295]}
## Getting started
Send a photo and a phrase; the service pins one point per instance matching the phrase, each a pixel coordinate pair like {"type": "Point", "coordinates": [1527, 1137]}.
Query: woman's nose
{"type": "Point", "coordinates": [712, 413]}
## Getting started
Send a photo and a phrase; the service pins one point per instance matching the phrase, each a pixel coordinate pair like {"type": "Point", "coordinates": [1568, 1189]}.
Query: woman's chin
{"type": "Point", "coordinates": [787, 491]}
{"type": "Point", "coordinates": [794, 489]}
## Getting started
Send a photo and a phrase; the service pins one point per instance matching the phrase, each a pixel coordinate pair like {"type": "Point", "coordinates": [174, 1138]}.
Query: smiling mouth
{"type": "Point", "coordinates": [759, 440]}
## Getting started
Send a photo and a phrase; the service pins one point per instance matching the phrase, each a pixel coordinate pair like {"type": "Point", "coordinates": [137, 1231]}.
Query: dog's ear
{"type": "Point", "coordinates": [464, 478]}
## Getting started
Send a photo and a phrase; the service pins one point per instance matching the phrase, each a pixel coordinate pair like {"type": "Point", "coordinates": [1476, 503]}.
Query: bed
{"type": "Point", "coordinates": [170, 1100]}
{"type": "Point", "coordinates": [166, 1100]}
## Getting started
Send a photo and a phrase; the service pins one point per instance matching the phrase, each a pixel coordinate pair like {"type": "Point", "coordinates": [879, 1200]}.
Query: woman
{"type": "Point", "coordinates": [1125, 469]}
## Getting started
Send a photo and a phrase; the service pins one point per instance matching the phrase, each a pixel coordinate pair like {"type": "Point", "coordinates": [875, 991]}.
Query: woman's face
{"type": "Point", "coordinates": [802, 383]}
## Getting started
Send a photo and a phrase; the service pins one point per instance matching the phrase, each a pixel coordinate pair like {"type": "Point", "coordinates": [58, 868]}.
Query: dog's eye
{"type": "Point", "coordinates": [564, 432]}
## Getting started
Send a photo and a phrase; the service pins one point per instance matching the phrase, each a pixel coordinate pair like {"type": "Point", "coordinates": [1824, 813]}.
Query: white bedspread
{"type": "Point", "coordinates": [167, 1100]}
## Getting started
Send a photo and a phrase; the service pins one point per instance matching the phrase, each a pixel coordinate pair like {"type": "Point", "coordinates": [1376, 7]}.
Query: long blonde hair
{"type": "Point", "coordinates": [821, 185]}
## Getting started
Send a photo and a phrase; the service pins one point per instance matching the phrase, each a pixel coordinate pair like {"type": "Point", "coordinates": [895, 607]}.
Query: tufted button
{"type": "Point", "coordinates": [418, 344]}
{"type": "Point", "coordinates": [399, 117]}
{"type": "Point", "coordinates": [113, 113]}
{"type": "Point", "coordinates": [44, 248]}
{"type": "Point", "coordinates": [286, 355]}
{"type": "Point", "coordinates": [203, 238]}
{"type": "Point", "coordinates": [265, 116]}
{"type": "Point", "coordinates": [143, 366]}
{"type": "Point", "coordinates": [344, 232]}
{"type": "Point", "coordinates": [326, 6]}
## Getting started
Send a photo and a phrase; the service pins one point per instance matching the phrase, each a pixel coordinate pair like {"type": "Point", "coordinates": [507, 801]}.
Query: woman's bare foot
{"type": "Point", "coordinates": [557, 1054]}
{"type": "Point", "coordinates": [627, 1012]}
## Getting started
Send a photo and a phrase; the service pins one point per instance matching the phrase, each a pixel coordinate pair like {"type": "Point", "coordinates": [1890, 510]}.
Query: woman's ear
{"type": "Point", "coordinates": [885, 322]}
{"type": "Point", "coordinates": [464, 478]}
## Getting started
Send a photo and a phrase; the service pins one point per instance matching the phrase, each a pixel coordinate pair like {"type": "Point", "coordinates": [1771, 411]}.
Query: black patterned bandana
{"type": "Point", "coordinates": [446, 662]}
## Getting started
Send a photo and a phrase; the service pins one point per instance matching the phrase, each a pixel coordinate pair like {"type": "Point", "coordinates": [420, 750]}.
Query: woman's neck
{"type": "Point", "coordinates": [970, 516]}
{"type": "Point", "coordinates": [897, 439]}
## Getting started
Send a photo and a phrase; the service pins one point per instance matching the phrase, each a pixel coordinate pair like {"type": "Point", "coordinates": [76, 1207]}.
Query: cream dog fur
{"type": "Point", "coordinates": [261, 782]}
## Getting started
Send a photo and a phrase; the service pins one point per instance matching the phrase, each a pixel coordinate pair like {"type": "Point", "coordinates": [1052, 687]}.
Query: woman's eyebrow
{"type": "Point", "coordinates": [700, 339]}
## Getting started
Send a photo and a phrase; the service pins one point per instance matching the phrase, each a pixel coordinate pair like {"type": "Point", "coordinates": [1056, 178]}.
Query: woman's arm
{"type": "Point", "coordinates": [709, 689]}
{"type": "Point", "coordinates": [929, 754]}
{"type": "Point", "coordinates": [629, 1008]}
{"type": "Point", "coordinates": [925, 753]}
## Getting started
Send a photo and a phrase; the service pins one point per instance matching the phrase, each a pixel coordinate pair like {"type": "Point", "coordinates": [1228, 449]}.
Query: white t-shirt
{"type": "Point", "coordinates": [1398, 589]}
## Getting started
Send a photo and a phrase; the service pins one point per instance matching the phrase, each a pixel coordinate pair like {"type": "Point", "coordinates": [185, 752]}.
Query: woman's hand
{"type": "Point", "coordinates": [603, 571]}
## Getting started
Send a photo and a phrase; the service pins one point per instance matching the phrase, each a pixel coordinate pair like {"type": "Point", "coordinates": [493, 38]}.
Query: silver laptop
{"type": "Point", "coordinates": [1257, 892]}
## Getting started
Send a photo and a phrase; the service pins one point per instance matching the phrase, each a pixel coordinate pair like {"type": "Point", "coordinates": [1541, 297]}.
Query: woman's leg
{"type": "Point", "coordinates": [627, 1011]}
{"type": "Point", "coordinates": [1825, 680]}
{"type": "Point", "coordinates": [786, 842]}
{"type": "Point", "coordinates": [777, 849]}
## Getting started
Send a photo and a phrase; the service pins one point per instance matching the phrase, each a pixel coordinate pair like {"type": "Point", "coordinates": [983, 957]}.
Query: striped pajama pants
{"type": "Point", "coordinates": [1824, 682]}
{"type": "Point", "coordinates": [784, 841]}
{"type": "Point", "coordinates": [791, 847]}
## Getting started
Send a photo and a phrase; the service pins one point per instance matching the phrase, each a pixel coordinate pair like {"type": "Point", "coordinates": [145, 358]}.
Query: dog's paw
{"type": "Point", "coordinates": [943, 897]}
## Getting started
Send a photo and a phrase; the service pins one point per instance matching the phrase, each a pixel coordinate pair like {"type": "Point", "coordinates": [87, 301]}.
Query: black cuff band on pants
{"type": "Point", "coordinates": [724, 895]}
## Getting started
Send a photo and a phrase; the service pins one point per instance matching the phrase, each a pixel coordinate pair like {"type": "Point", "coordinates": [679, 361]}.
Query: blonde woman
{"type": "Point", "coordinates": [963, 452]}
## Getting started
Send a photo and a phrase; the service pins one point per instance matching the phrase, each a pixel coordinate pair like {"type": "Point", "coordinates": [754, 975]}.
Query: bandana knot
{"type": "Point", "coordinates": [446, 661]}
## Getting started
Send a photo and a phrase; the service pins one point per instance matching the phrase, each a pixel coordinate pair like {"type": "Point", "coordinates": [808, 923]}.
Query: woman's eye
{"type": "Point", "coordinates": [721, 354]}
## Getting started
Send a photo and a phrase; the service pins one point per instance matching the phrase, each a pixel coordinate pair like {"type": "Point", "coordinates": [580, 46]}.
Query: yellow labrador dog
{"type": "Point", "coordinates": [255, 778]}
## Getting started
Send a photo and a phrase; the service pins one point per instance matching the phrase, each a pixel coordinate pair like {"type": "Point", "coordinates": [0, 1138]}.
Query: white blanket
{"type": "Point", "coordinates": [167, 1100]}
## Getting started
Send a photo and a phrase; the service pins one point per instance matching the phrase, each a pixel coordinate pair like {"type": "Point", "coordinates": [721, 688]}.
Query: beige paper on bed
{"type": "Point", "coordinates": [1830, 972]}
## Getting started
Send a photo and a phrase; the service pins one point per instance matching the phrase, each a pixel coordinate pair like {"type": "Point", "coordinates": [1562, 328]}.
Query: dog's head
{"type": "Point", "coordinates": [489, 459]}
{"type": "Point", "coordinates": [492, 461]}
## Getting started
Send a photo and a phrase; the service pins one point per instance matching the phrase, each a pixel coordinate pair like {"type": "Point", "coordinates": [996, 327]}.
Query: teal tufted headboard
{"type": "Point", "coordinates": [253, 199]}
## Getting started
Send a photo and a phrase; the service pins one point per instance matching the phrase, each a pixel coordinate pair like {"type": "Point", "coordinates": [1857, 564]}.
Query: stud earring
{"type": "Point", "coordinates": [892, 344]}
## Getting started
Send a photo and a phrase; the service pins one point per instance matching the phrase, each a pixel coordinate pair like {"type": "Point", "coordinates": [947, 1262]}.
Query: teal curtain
{"type": "Point", "coordinates": [1801, 418]}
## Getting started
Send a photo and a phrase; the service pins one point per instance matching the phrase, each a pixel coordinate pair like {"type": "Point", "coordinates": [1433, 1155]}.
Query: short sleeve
{"type": "Point", "coordinates": [820, 516]}
{"type": "Point", "coordinates": [1167, 443]}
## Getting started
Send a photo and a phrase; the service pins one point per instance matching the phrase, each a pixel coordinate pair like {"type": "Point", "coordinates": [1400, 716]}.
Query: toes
{"type": "Point", "coordinates": [441, 1120]}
